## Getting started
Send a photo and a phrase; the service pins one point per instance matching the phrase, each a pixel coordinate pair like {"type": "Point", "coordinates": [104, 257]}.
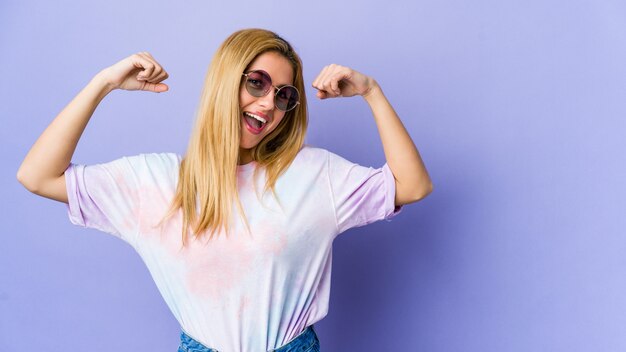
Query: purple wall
{"type": "Point", "coordinates": [518, 109]}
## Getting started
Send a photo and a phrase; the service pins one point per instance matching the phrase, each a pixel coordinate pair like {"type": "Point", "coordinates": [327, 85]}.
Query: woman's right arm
{"type": "Point", "coordinates": [42, 171]}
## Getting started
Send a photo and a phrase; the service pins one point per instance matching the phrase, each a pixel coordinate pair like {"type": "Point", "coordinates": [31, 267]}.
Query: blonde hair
{"type": "Point", "coordinates": [207, 183]}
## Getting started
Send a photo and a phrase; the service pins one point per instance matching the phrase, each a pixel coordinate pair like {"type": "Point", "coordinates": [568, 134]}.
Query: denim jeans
{"type": "Point", "coordinates": [306, 341]}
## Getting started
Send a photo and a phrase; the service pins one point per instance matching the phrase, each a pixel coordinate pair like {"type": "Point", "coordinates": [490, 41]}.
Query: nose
{"type": "Point", "coordinates": [267, 101]}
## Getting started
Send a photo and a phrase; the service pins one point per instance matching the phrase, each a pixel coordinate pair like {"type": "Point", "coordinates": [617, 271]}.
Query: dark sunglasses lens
{"type": "Point", "coordinates": [258, 83]}
{"type": "Point", "coordinates": [286, 98]}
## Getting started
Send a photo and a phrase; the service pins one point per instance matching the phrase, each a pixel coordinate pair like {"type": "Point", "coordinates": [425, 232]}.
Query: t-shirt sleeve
{"type": "Point", "coordinates": [361, 195]}
{"type": "Point", "coordinates": [105, 196]}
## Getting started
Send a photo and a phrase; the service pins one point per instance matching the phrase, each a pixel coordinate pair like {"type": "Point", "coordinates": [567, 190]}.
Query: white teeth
{"type": "Point", "coordinates": [256, 117]}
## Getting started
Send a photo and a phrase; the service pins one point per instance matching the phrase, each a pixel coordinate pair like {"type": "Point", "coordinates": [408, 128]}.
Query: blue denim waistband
{"type": "Point", "coordinates": [304, 342]}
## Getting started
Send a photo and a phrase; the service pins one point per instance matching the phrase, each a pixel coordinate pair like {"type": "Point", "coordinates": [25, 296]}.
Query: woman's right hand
{"type": "Point", "coordinates": [139, 71]}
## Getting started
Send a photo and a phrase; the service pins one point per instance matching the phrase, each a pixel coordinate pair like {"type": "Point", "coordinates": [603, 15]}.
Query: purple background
{"type": "Point", "coordinates": [517, 108]}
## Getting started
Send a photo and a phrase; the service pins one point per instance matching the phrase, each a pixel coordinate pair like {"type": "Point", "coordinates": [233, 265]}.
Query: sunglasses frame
{"type": "Point", "coordinates": [277, 89]}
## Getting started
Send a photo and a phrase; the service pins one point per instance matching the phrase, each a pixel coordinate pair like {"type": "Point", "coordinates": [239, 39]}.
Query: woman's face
{"type": "Point", "coordinates": [252, 132]}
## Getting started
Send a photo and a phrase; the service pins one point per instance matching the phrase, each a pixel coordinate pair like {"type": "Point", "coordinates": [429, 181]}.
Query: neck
{"type": "Point", "coordinates": [244, 156]}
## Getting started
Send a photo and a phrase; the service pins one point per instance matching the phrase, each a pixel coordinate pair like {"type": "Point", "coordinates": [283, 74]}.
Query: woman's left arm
{"type": "Point", "coordinates": [403, 158]}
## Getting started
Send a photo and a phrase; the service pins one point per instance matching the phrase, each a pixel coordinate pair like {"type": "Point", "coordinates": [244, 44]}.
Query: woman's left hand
{"type": "Point", "coordinates": [341, 81]}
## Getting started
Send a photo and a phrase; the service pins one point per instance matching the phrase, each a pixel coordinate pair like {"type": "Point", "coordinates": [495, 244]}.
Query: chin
{"type": "Point", "coordinates": [247, 145]}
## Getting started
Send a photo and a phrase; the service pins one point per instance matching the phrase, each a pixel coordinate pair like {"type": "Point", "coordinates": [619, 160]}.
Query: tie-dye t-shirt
{"type": "Point", "coordinates": [251, 291]}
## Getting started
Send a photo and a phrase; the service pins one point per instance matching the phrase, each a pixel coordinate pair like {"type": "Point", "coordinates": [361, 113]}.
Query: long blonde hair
{"type": "Point", "coordinates": [207, 183]}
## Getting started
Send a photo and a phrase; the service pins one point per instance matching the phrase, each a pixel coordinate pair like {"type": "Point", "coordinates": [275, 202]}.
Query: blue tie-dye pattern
{"type": "Point", "coordinates": [242, 293]}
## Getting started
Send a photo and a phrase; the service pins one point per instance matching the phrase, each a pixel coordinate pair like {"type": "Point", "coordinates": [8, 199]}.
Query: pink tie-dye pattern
{"type": "Point", "coordinates": [217, 266]}
{"type": "Point", "coordinates": [247, 291]}
{"type": "Point", "coordinates": [129, 219]}
{"type": "Point", "coordinates": [271, 238]}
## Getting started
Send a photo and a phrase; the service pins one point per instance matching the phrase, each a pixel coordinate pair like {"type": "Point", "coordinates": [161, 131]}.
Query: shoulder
{"type": "Point", "coordinates": [309, 154]}
{"type": "Point", "coordinates": [150, 160]}
{"type": "Point", "coordinates": [314, 156]}
{"type": "Point", "coordinates": [159, 159]}
{"type": "Point", "coordinates": [150, 164]}
{"type": "Point", "coordinates": [309, 162]}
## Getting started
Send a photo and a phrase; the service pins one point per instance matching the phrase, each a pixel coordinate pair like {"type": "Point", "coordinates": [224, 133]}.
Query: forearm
{"type": "Point", "coordinates": [52, 152]}
{"type": "Point", "coordinates": [403, 158]}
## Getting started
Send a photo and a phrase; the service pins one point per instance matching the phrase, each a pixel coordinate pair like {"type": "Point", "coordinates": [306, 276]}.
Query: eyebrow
{"type": "Point", "coordinates": [277, 85]}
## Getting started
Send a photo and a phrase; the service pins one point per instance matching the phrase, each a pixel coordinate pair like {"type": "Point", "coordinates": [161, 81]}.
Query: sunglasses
{"type": "Point", "coordinates": [259, 83]}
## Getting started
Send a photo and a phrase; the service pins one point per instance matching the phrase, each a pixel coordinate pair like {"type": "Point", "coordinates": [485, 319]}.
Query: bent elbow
{"type": "Point", "coordinates": [27, 182]}
{"type": "Point", "coordinates": [423, 192]}
{"type": "Point", "coordinates": [22, 179]}
{"type": "Point", "coordinates": [31, 187]}
{"type": "Point", "coordinates": [414, 196]}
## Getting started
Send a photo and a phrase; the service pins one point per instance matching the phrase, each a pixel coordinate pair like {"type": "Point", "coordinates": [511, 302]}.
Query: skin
{"type": "Point", "coordinates": [281, 72]}
{"type": "Point", "coordinates": [42, 171]}
{"type": "Point", "coordinates": [411, 177]}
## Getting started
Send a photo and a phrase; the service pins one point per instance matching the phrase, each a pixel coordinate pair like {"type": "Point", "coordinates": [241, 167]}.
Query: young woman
{"type": "Point", "coordinates": [237, 234]}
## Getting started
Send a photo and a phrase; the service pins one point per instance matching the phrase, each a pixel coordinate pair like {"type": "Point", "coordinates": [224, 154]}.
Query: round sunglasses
{"type": "Point", "coordinates": [259, 83]}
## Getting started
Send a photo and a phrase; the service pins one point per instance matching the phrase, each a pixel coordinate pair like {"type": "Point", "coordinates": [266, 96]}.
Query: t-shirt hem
{"type": "Point", "coordinates": [73, 210]}
{"type": "Point", "coordinates": [391, 210]}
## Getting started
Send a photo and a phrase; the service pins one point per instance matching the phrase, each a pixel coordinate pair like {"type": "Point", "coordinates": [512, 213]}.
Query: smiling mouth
{"type": "Point", "coordinates": [255, 123]}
